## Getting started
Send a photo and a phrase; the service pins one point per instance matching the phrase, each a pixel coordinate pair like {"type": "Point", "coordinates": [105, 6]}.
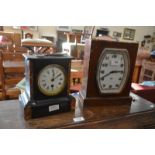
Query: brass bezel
{"type": "Point", "coordinates": [49, 93]}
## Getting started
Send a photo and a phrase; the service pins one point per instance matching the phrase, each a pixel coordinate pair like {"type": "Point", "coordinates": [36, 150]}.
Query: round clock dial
{"type": "Point", "coordinates": [52, 80]}
{"type": "Point", "coordinates": [113, 70]}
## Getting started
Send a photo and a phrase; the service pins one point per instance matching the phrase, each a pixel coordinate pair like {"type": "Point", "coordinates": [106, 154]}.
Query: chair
{"type": "Point", "coordinates": [75, 45]}
{"type": "Point", "coordinates": [12, 71]}
{"type": "Point", "coordinates": [11, 42]}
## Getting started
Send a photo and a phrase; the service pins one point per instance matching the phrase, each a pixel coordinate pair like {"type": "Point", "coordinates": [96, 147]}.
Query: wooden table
{"type": "Point", "coordinates": [141, 114]}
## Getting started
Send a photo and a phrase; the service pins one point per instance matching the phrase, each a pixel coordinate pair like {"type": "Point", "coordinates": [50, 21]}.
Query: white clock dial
{"type": "Point", "coordinates": [52, 80]}
{"type": "Point", "coordinates": [113, 70]}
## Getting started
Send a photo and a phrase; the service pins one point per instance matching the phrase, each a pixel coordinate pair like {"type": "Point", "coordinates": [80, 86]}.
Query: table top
{"type": "Point", "coordinates": [140, 114]}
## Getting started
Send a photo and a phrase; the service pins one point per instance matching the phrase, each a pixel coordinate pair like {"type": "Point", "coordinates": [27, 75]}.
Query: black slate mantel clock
{"type": "Point", "coordinates": [47, 85]}
{"type": "Point", "coordinates": [108, 69]}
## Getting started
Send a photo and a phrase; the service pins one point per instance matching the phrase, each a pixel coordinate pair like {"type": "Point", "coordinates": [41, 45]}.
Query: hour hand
{"type": "Point", "coordinates": [116, 72]}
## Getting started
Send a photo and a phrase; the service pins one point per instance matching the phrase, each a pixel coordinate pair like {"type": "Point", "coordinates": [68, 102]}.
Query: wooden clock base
{"type": "Point", "coordinates": [35, 109]}
{"type": "Point", "coordinates": [99, 101]}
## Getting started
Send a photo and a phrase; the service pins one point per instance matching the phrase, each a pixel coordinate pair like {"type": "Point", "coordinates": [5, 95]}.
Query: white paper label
{"type": "Point", "coordinates": [53, 107]}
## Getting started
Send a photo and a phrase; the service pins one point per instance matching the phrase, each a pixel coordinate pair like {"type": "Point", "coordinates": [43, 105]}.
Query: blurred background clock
{"type": "Point", "coordinates": [108, 69]}
{"type": "Point", "coordinates": [47, 85]}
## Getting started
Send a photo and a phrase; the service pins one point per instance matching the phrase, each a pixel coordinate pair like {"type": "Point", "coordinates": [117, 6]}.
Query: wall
{"type": "Point", "coordinates": [47, 31]}
{"type": "Point", "coordinates": [10, 29]}
{"type": "Point", "coordinates": [51, 31]}
{"type": "Point", "coordinates": [139, 33]}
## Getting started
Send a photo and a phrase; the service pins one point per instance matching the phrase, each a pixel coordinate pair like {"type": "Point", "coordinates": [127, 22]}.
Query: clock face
{"type": "Point", "coordinates": [113, 70]}
{"type": "Point", "coordinates": [52, 80]}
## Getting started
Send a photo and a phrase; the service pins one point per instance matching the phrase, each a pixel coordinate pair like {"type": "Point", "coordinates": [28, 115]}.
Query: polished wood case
{"type": "Point", "coordinates": [89, 93]}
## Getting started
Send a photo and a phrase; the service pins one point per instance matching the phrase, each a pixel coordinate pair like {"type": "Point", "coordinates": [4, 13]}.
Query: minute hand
{"type": "Point", "coordinates": [57, 76]}
{"type": "Point", "coordinates": [111, 72]}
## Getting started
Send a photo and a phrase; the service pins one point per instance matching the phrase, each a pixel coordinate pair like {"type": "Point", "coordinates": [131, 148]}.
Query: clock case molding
{"type": "Point", "coordinates": [35, 103]}
{"type": "Point", "coordinates": [89, 93]}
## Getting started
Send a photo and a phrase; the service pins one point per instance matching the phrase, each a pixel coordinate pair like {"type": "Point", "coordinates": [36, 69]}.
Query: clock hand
{"type": "Point", "coordinates": [116, 71]}
{"type": "Point", "coordinates": [56, 77]}
{"type": "Point", "coordinates": [53, 72]}
{"type": "Point", "coordinates": [111, 72]}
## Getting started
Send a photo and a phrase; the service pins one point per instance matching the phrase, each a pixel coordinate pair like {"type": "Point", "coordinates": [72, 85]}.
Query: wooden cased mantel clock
{"type": "Point", "coordinates": [47, 85]}
{"type": "Point", "coordinates": [108, 69]}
